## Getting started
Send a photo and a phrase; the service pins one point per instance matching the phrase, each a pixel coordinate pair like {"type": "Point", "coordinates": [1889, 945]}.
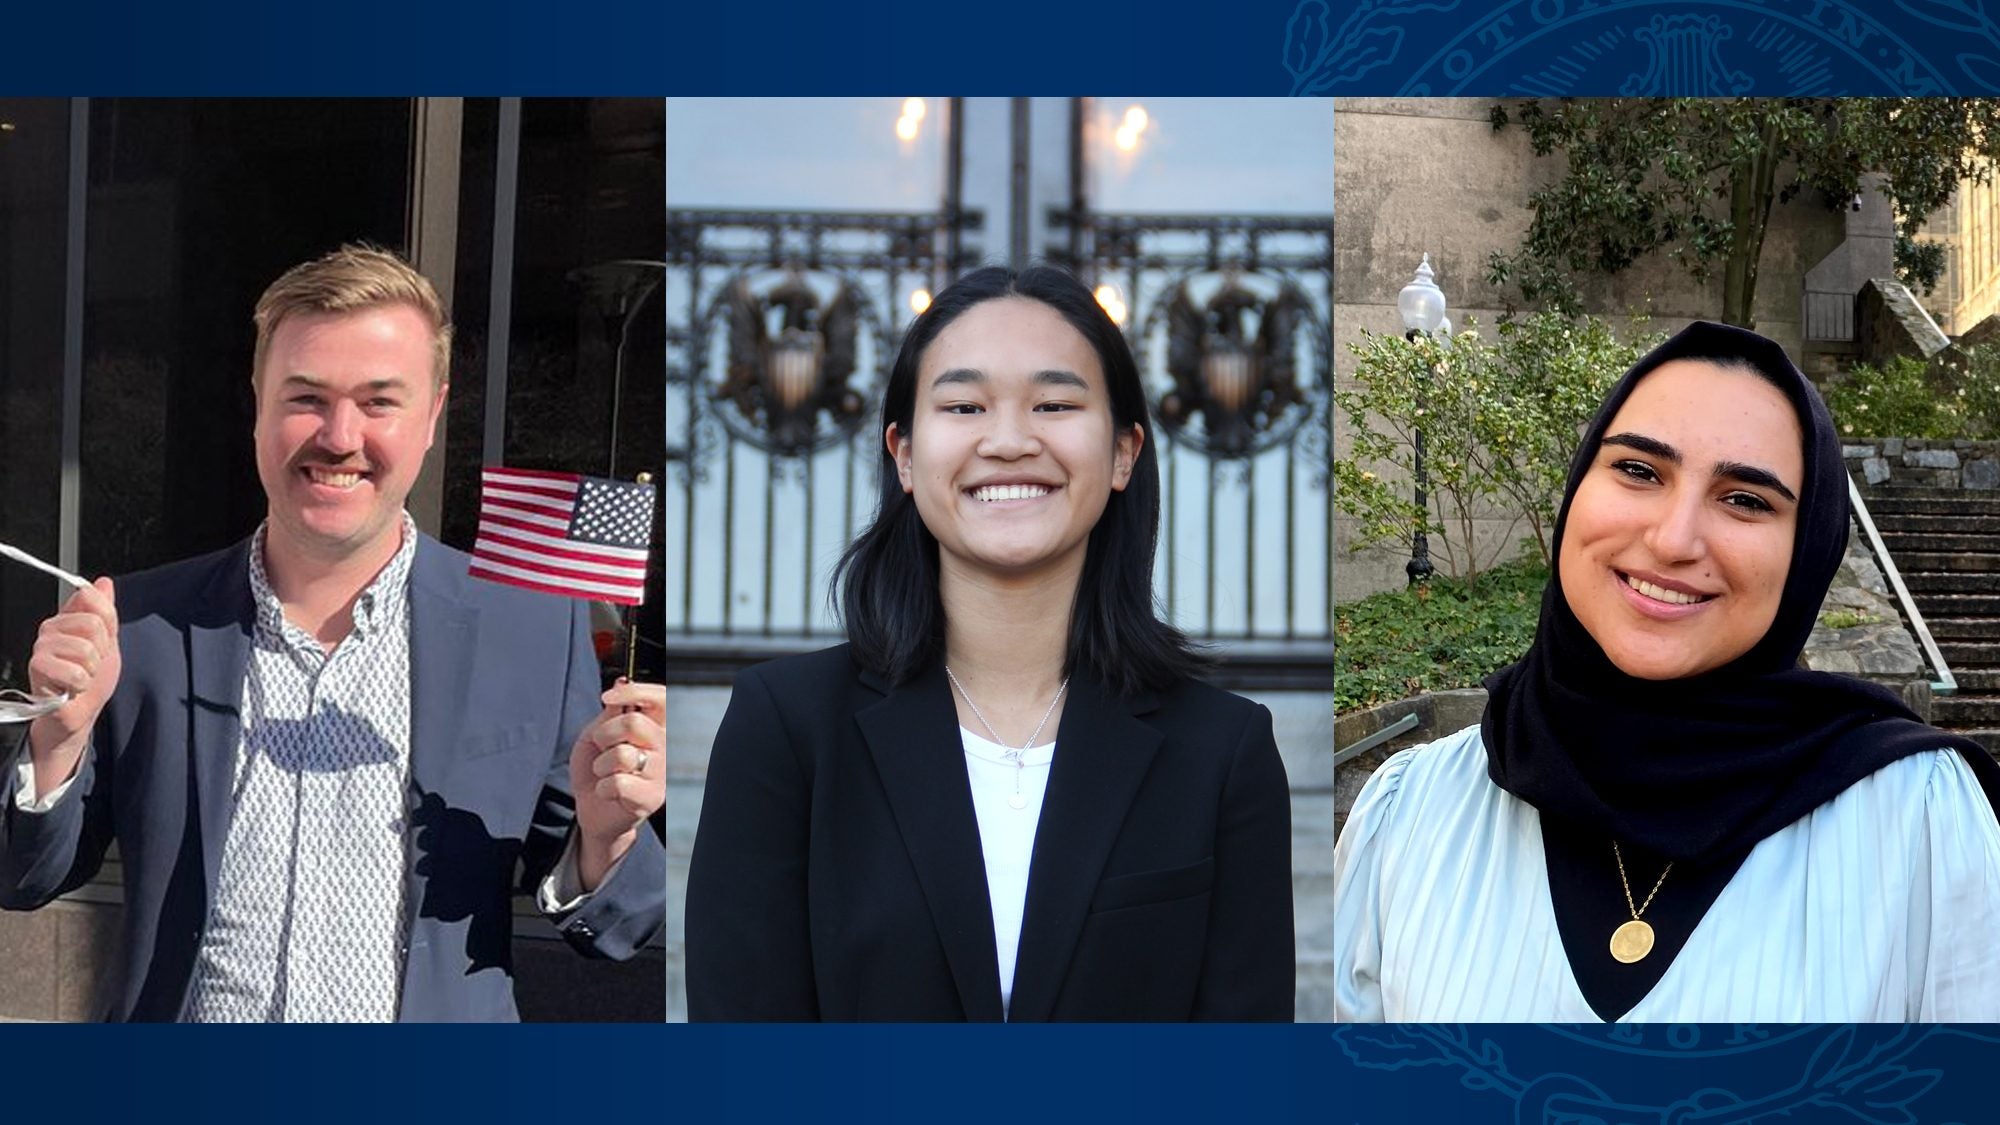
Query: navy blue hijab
{"type": "Point", "coordinates": [1701, 768]}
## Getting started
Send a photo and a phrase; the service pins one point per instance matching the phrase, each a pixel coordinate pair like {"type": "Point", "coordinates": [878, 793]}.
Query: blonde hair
{"type": "Point", "coordinates": [355, 277]}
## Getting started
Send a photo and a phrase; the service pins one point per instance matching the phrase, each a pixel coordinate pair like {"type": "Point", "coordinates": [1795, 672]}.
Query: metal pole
{"type": "Point", "coordinates": [69, 490]}
{"type": "Point", "coordinates": [1419, 566]}
{"type": "Point", "coordinates": [954, 196]}
{"type": "Point", "coordinates": [1017, 210]}
{"type": "Point", "coordinates": [500, 304]}
{"type": "Point", "coordinates": [1079, 201]}
{"type": "Point", "coordinates": [632, 611]}
{"type": "Point", "coordinates": [437, 129]}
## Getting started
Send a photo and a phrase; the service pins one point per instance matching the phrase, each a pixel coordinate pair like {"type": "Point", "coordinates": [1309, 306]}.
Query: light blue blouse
{"type": "Point", "coordinates": [1881, 905]}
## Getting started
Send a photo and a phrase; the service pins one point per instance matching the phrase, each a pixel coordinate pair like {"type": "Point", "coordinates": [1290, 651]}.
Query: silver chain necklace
{"type": "Point", "coordinates": [1018, 800]}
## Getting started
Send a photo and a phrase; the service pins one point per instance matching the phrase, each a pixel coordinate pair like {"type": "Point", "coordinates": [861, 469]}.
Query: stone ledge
{"type": "Point", "coordinates": [1882, 650]}
{"type": "Point", "coordinates": [1956, 464]}
{"type": "Point", "coordinates": [54, 961]}
{"type": "Point", "coordinates": [1890, 321]}
{"type": "Point", "coordinates": [1439, 713]}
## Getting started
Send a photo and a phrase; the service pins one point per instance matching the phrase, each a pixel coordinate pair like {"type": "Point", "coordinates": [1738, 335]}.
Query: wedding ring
{"type": "Point", "coordinates": [643, 759]}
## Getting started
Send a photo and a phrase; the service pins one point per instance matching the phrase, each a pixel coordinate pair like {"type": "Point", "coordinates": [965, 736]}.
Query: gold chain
{"type": "Point", "coordinates": [1627, 884]}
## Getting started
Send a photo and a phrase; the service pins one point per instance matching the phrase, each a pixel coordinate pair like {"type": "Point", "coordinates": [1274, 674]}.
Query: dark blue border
{"type": "Point", "coordinates": [1681, 1073]}
{"type": "Point", "coordinates": [879, 47]}
{"type": "Point", "coordinates": [642, 48]}
{"type": "Point", "coordinates": [1179, 47]}
{"type": "Point", "coordinates": [1012, 1075]}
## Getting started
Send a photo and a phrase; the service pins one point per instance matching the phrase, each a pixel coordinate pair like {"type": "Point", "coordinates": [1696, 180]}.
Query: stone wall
{"type": "Point", "coordinates": [53, 960]}
{"type": "Point", "coordinates": [56, 962]}
{"type": "Point", "coordinates": [1880, 648]}
{"type": "Point", "coordinates": [1889, 323]}
{"type": "Point", "coordinates": [1439, 713]}
{"type": "Point", "coordinates": [1955, 464]}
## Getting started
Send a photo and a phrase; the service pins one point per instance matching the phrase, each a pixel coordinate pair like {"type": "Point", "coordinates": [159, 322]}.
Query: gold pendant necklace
{"type": "Point", "coordinates": [1633, 940]}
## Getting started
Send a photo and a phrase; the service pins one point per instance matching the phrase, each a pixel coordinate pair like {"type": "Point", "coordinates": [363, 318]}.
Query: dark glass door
{"type": "Point", "coordinates": [193, 207]}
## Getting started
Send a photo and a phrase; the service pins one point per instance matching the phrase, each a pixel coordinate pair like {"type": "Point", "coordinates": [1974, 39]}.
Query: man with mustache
{"type": "Point", "coordinates": [328, 756]}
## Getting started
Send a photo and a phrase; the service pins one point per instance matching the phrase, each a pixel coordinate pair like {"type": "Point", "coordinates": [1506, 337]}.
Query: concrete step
{"type": "Point", "coordinates": [1957, 605]}
{"type": "Point", "coordinates": [1932, 501]}
{"type": "Point", "coordinates": [1908, 486]}
{"type": "Point", "coordinates": [1987, 737]}
{"type": "Point", "coordinates": [1970, 654]}
{"type": "Point", "coordinates": [1934, 582]}
{"type": "Point", "coordinates": [1964, 628]}
{"type": "Point", "coordinates": [1963, 523]}
{"type": "Point", "coordinates": [1977, 681]}
{"type": "Point", "coordinates": [1966, 710]}
{"type": "Point", "coordinates": [1900, 542]}
{"type": "Point", "coordinates": [1958, 562]}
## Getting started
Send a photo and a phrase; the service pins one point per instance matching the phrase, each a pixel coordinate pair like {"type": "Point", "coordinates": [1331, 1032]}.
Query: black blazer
{"type": "Point", "coordinates": [837, 871]}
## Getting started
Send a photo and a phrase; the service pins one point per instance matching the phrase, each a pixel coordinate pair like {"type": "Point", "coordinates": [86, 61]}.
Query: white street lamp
{"type": "Point", "coordinates": [1422, 305]}
{"type": "Point", "coordinates": [1421, 302]}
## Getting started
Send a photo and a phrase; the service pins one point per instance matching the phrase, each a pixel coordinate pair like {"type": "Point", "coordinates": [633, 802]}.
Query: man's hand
{"type": "Point", "coordinates": [618, 771]}
{"type": "Point", "coordinates": [75, 652]}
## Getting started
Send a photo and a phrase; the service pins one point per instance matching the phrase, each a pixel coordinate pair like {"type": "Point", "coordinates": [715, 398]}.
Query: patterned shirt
{"type": "Point", "coordinates": [307, 920]}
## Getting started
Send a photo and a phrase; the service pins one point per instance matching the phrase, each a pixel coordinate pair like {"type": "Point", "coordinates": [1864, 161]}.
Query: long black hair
{"type": "Point", "coordinates": [888, 577]}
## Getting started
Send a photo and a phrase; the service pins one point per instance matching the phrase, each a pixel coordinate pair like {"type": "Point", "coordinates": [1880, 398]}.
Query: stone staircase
{"type": "Point", "coordinates": [1946, 542]}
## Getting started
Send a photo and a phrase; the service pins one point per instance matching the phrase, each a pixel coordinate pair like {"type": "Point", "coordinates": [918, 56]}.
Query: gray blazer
{"type": "Point", "coordinates": [502, 680]}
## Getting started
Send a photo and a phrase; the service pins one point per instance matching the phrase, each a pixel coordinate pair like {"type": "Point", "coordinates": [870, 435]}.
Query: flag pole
{"type": "Point", "coordinates": [632, 611]}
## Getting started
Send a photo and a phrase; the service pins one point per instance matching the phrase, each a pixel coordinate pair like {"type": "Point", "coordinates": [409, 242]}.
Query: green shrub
{"type": "Point", "coordinates": [1846, 618]}
{"type": "Point", "coordinates": [1978, 391]}
{"type": "Point", "coordinates": [1956, 395]}
{"type": "Point", "coordinates": [1445, 634]}
{"type": "Point", "coordinates": [1894, 400]}
{"type": "Point", "coordinates": [1499, 418]}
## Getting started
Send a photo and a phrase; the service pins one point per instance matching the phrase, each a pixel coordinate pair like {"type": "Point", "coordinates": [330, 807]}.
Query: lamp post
{"type": "Point", "coordinates": [1422, 305]}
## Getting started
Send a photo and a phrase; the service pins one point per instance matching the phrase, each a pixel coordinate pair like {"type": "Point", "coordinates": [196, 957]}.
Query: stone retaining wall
{"type": "Point", "coordinates": [57, 962]}
{"type": "Point", "coordinates": [1883, 649]}
{"type": "Point", "coordinates": [1438, 713]}
{"type": "Point", "coordinates": [1956, 464]}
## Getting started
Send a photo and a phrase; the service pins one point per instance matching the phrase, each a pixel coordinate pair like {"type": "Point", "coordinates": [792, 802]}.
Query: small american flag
{"type": "Point", "coordinates": [564, 533]}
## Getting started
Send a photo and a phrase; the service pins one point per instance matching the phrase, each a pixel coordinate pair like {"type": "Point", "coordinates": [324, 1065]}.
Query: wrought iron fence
{"type": "Point", "coordinates": [780, 330]}
{"type": "Point", "coordinates": [781, 327]}
{"type": "Point", "coordinates": [1229, 315]}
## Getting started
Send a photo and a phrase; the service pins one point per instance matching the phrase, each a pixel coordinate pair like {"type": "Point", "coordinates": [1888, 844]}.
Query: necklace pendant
{"type": "Point", "coordinates": [1631, 942]}
{"type": "Point", "coordinates": [1018, 801]}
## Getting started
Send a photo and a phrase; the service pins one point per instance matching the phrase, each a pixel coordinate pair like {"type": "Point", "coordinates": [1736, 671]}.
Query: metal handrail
{"type": "Point", "coordinates": [1946, 683]}
{"type": "Point", "coordinates": [1408, 722]}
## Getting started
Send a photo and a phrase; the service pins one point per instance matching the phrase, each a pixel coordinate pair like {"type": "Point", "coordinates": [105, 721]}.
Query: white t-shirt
{"type": "Point", "coordinates": [1007, 834]}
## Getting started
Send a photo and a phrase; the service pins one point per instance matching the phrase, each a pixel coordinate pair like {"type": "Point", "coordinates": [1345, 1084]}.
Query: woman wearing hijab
{"type": "Point", "coordinates": [890, 833]}
{"type": "Point", "coordinates": [1660, 817]}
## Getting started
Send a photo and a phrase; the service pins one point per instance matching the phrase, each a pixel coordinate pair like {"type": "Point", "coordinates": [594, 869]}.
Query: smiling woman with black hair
{"type": "Point", "coordinates": [888, 832]}
{"type": "Point", "coordinates": [1661, 817]}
